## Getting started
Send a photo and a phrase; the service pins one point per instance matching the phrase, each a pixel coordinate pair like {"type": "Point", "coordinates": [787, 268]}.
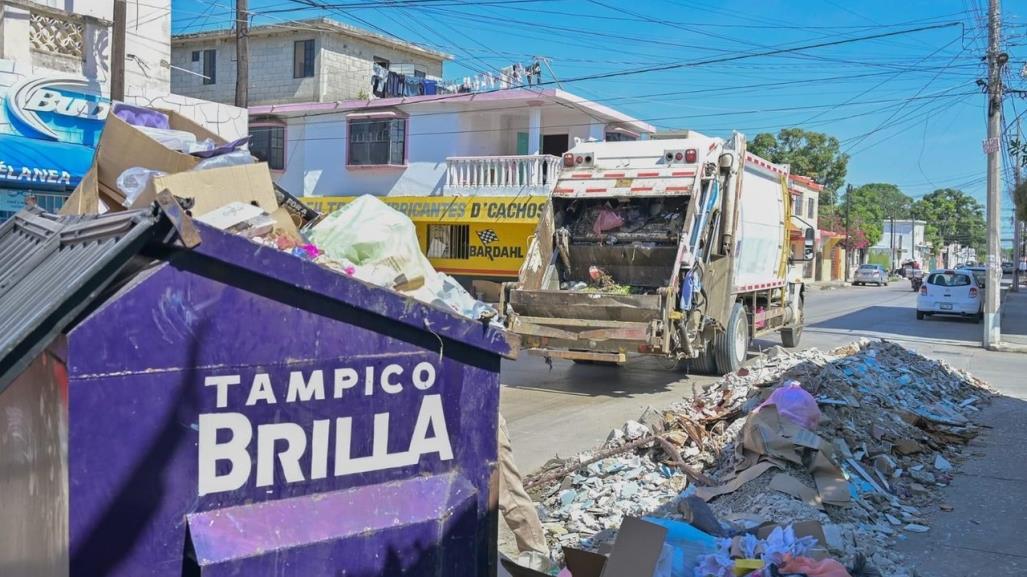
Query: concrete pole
{"type": "Point", "coordinates": [118, 51]}
{"type": "Point", "coordinates": [848, 243]}
{"type": "Point", "coordinates": [242, 53]}
{"type": "Point", "coordinates": [992, 319]}
{"type": "Point", "coordinates": [1017, 228]}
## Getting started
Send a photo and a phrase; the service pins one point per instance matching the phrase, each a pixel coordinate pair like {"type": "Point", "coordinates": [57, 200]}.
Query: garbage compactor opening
{"type": "Point", "coordinates": [618, 245]}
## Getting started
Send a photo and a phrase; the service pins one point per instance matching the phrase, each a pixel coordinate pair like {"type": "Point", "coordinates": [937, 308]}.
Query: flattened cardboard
{"type": "Point", "coordinates": [636, 550]}
{"type": "Point", "coordinates": [707, 493]}
{"type": "Point", "coordinates": [584, 563]}
{"type": "Point", "coordinates": [831, 482]}
{"type": "Point", "coordinates": [791, 486]}
{"type": "Point", "coordinates": [211, 189]}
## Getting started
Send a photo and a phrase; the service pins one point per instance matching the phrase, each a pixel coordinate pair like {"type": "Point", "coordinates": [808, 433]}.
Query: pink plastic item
{"type": "Point", "coordinates": [607, 220]}
{"type": "Point", "coordinates": [814, 568]}
{"type": "Point", "coordinates": [794, 402]}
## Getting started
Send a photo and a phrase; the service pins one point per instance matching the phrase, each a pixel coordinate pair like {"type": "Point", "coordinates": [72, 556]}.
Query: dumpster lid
{"type": "Point", "coordinates": [53, 267]}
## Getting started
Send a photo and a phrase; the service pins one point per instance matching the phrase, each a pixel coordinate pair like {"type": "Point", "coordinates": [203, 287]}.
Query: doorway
{"type": "Point", "coordinates": [555, 144]}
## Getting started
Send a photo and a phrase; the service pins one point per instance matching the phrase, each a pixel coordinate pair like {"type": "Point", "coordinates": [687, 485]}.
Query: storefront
{"type": "Point", "coordinates": [470, 238]}
{"type": "Point", "coordinates": [49, 127]}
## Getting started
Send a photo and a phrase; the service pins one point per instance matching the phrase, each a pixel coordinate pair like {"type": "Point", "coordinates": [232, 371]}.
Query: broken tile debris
{"type": "Point", "coordinates": [892, 421]}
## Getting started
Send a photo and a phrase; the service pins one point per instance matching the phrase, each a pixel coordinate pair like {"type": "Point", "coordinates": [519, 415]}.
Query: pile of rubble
{"type": "Point", "coordinates": [855, 441]}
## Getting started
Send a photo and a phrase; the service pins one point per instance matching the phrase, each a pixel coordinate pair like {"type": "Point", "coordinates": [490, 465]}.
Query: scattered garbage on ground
{"type": "Point", "coordinates": [144, 151]}
{"type": "Point", "coordinates": [815, 463]}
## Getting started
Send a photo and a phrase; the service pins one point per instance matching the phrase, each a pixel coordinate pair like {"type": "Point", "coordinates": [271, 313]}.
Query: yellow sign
{"type": "Point", "coordinates": [484, 237]}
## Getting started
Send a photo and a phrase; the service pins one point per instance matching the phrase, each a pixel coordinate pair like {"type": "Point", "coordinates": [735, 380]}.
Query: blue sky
{"type": "Point", "coordinates": [906, 108]}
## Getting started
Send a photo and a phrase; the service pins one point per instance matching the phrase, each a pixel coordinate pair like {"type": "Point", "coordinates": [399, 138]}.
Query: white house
{"type": "Point", "coordinates": [500, 142]}
{"type": "Point", "coordinates": [904, 240]}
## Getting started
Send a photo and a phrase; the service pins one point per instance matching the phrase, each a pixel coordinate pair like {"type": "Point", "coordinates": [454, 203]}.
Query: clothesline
{"type": "Point", "coordinates": [386, 83]}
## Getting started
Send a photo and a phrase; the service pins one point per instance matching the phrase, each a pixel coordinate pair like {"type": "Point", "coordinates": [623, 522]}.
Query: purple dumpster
{"type": "Point", "coordinates": [229, 409]}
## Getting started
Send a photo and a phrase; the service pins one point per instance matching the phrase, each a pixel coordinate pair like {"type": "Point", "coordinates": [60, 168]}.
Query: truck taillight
{"type": "Point", "coordinates": [973, 292]}
{"type": "Point", "coordinates": [578, 160]}
{"type": "Point", "coordinates": [691, 155]}
{"type": "Point", "coordinates": [679, 156]}
{"type": "Point", "coordinates": [923, 289]}
{"type": "Point", "coordinates": [568, 160]}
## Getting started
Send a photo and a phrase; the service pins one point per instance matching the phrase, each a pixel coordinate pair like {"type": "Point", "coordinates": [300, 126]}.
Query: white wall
{"type": "Point", "coordinates": [316, 148]}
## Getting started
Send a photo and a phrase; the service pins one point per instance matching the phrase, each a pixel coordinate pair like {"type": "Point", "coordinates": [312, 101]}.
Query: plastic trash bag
{"type": "Point", "coordinates": [813, 567]}
{"type": "Point", "coordinates": [234, 158]}
{"type": "Point", "coordinates": [688, 545]}
{"type": "Point", "coordinates": [794, 402]}
{"type": "Point", "coordinates": [606, 220]}
{"type": "Point", "coordinates": [133, 181]}
{"type": "Point", "coordinates": [382, 243]}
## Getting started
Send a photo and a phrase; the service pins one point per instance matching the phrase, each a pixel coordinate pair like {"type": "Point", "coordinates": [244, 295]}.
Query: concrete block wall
{"type": "Point", "coordinates": [342, 68]}
{"type": "Point", "coordinates": [347, 65]}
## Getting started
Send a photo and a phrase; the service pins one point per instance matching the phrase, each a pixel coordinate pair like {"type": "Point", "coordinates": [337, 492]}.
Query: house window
{"type": "Point", "coordinates": [810, 207]}
{"type": "Point", "coordinates": [381, 62]}
{"type": "Point", "coordinates": [210, 73]}
{"type": "Point", "coordinates": [303, 58]}
{"type": "Point", "coordinates": [619, 137]}
{"type": "Point", "coordinates": [267, 143]}
{"type": "Point", "coordinates": [196, 55]}
{"type": "Point", "coordinates": [448, 241]}
{"type": "Point", "coordinates": [377, 142]}
{"type": "Point", "coordinates": [796, 205]}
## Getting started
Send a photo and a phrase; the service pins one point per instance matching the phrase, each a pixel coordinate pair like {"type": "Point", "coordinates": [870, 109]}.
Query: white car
{"type": "Point", "coordinates": [951, 292]}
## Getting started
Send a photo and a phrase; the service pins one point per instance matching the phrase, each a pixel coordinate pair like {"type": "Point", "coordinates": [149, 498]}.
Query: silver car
{"type": "Point", "coordinates": [870, 273]}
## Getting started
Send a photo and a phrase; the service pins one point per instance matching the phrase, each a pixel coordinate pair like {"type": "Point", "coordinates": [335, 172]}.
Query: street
{"type": "Point", "coordinates": [570, 408]}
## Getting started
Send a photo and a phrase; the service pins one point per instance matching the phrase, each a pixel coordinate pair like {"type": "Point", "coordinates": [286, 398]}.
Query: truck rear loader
{"type": "Point", "coordinates": [677, 248]}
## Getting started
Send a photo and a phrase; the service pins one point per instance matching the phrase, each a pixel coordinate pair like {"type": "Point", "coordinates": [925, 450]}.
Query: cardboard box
{"type": "Point", "coordinates": [635, 552]}
{"type": "Point", "coordinates": [123, 146]}
{"type": "Point", "coordinates": [214, 188]}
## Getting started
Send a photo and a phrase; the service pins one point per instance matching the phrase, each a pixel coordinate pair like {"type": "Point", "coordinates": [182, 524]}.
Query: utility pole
{"type": "Point", "coordinates": [242, 53]}
{"type": "Point", "coordinates": [848, 242]}
{"type": "Point", "coordinates": [1017, 229]}
{"type": "Point", "coordinates": [118, 51]}
{"type": "Point", "coordinates": [992, 320]}
{"type": "Point", "coordinates": [891, 228]}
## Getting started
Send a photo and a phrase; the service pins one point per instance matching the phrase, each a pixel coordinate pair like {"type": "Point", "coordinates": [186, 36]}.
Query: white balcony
{"type": "Point", "coordinates": [501, 175]}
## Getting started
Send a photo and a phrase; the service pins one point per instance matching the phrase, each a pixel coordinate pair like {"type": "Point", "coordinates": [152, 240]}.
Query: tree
{"type": "Point", "coordinates": [870, 205]}
{"type": "Point", "coordinates": [952, 216]}
{"type": "Point", "coordinates": [812, 154]}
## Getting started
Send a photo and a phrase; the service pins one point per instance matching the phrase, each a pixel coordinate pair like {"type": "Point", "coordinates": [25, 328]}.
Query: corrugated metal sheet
{"type": "Point", "coordinates": [51, 268]}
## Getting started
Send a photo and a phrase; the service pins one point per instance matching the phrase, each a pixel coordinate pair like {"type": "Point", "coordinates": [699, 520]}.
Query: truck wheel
{"type": "Point", "coordinates": [919, 315]}
{"type": "Point", "coordinates": [705, 363]}
{"type": "Point", "coordinates": [731, 346]}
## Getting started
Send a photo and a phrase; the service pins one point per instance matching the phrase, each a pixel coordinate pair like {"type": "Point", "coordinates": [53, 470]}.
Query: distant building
{"type": "Point", "coordinates": [902, 241]}
{"type": "Point", "coordinates": [315, 60]}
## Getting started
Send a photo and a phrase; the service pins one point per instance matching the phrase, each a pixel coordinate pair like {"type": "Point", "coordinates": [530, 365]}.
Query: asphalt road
{"type": "Point", "coordinates": [570, 408]}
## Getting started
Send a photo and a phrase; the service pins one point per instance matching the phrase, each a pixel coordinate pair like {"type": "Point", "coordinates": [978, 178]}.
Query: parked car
{"type": "Point", "coordinates": [1007, 267]}
{"type": "Point", "coordinates": [870, 273]}
{"type": "Point", "coordinates": [952, 292]}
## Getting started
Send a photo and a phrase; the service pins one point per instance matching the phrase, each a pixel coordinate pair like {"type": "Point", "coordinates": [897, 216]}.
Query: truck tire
{"type": "Point", "coordinates": [731, 346]}
{"type": "Point", "coordinates": [705, 363]}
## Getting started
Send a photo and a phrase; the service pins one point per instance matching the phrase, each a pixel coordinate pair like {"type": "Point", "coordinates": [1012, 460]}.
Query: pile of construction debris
{"type": "Point", "coordinates": [853, 443]}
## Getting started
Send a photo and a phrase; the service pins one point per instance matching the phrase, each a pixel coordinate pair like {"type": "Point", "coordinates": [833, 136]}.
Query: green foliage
{"type": "Point", "coordinates": [812, 154]}
{"type": "Point", "coordinates": [871, 204]}
{"type": "Point", "coordinates": [952, 216]}
{"type": "Point", "coordinates": [1020, 201]}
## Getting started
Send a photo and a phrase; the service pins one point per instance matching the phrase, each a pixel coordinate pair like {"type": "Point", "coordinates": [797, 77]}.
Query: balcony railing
{"type": "Point", "coordinates": [537, 171]}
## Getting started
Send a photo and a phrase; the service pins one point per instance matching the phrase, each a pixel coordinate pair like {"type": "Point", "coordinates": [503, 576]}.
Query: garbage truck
{"type": "Point", "coordinates": [679, 248]}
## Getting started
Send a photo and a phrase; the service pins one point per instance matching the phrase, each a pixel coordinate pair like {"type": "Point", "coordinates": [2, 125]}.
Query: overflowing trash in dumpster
{"type": "Point", "coordinates": [809, 462]}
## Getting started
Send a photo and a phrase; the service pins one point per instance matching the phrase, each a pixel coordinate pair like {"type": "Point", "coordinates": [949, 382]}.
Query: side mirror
{"type": "Point", "coordinates": [809, 244]}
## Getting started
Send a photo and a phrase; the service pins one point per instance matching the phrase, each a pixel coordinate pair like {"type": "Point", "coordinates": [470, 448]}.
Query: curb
{"type": "Point", "coordinates": [1008, 348]}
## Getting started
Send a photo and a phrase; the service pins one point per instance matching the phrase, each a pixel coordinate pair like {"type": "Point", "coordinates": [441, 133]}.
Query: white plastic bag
{"type": "Point", "coordinates": [234, 158]}
{"type": "Point", "coordinates": [179, 140]}
{"type": "Point", "coordinates": [133, 181]}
